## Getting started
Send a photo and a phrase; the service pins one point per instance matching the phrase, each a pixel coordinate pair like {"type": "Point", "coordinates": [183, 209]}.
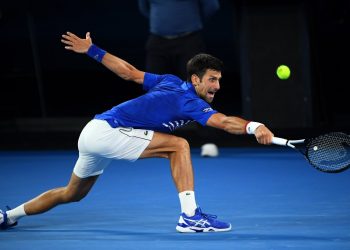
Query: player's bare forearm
{"type": "Point", "coordinates": [117, 65]}
{"type": "Point", "coordinates": [230, 124]}
{"type": "Point", "coordinates": [237, 125]}
{"type": "Point", "coordinates": [122, 68]}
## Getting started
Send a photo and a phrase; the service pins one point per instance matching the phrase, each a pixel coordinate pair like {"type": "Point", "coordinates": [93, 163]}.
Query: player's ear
{"type": "Point", "coordinates": [195, 80]}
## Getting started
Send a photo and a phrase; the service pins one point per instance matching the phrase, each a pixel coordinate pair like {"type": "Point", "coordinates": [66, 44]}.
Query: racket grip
{"type": "Point", "coordinates": [279, 141]}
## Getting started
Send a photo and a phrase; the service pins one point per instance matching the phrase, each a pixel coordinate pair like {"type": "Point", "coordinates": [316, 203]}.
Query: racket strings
{"type": "Point", "coordinates": [330, 152]}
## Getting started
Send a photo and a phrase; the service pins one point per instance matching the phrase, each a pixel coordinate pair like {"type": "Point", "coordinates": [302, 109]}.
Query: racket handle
{"type": "Point", "coordinates": [279, 141]}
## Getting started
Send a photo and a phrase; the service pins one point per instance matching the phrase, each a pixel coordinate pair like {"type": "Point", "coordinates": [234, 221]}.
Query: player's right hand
{"type": "Point", "coordinates": [263, 135]}
{"type": "Point", "coordinates": [76, 43]}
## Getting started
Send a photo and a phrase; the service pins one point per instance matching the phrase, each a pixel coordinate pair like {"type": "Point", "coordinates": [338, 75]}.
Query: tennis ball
{"type": "Point", "coordinates": [283, 72]}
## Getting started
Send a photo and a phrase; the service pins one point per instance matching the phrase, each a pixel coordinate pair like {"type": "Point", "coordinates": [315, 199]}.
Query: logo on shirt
{"type": "Point", "coordinates": [172, 125]}
{"type": "Point", "coordinates": [206, 110]}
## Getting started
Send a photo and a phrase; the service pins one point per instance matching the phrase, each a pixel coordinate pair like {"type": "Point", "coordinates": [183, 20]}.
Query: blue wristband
{"type": "Point", "coordinates": [96, 53]}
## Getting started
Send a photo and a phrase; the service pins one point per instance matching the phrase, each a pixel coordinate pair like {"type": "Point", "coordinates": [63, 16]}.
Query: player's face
{"type": "Point", "coordinates": [208, 85]}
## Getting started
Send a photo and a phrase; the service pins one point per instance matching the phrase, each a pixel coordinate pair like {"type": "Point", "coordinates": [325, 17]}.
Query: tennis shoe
{"type": "Point", "coordinates": [201, 222]}
{"type": "Point", "coordinates": [4, 221]}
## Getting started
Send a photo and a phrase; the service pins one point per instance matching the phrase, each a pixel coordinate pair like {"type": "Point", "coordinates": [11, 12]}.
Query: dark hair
{"type": "Point", "coordinates": [199, 64]}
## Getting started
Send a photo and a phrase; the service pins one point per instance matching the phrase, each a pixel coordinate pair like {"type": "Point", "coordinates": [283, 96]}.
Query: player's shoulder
{"type": "Point", "coordinates": [163, 78]}
{"type": "Point", "coordinates": [171, 78]}
{"type": "Point", "coordinates": [169, 81]}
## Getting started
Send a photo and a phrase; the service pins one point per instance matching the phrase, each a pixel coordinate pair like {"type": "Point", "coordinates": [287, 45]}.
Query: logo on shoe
{"type": "Point", "coordinates": [197, 223]}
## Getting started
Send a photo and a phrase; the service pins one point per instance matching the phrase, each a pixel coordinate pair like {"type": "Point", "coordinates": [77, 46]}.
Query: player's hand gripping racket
{"type": "Point", "coordinates": [328, 153]}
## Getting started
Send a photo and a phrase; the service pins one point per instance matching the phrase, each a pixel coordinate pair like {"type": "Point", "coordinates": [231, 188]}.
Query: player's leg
{"type": "Point", "coordinates": [177, 150]}
{"type": "Point", "coordinates": [86, 171]}
{"type": "Point", "coordinates": [76, 190]}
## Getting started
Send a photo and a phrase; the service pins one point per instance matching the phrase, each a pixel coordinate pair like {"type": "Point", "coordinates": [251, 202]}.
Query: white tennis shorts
{"type": "Point", "coordinates": [99, 144]}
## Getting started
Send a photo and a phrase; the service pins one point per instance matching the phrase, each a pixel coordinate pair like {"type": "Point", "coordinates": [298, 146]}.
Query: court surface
{"type": "Point", "coordinates": [272, 197]}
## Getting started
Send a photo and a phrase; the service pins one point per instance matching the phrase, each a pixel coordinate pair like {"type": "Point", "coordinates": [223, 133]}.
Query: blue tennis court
{"type": "Point", "coordinates": [272, 197]}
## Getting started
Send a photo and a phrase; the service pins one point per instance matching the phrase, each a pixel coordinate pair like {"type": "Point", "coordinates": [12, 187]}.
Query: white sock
{"type": "Point", "coordinates": [188, 202]}
{"type": "Point", "coordinates": [15, 214]}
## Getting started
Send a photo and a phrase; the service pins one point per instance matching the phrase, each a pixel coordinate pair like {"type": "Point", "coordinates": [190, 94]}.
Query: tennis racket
{"type": "Point", "coordinates": [328, 153]}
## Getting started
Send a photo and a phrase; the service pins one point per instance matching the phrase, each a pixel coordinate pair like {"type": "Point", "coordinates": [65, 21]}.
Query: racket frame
{"type": "Point", "coordinates": [289, 143]}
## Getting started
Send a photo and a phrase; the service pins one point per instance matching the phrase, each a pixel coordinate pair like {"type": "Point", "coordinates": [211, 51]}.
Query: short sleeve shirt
{"type": "Point", "coordinates": [169, 103]}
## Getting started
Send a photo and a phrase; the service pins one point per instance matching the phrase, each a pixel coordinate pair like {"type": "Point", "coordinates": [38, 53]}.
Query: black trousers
{"type": "Point", "coordinates": [170, 56]}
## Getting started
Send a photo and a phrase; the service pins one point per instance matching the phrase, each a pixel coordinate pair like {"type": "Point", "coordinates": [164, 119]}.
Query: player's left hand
{"type": "Point", "coordinates": [76, 43]}
{"type": "Point", "coordinates": [263, 135]}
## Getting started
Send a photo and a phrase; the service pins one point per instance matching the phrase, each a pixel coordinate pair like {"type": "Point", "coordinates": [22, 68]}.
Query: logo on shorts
{"type": "Point", "coordinates": [146, 132]}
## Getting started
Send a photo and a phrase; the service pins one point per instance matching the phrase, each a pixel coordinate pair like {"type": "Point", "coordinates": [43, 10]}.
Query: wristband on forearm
{"type": "Point", "coordinates": [250, 127]}
{"type": "Point", "coordinates": [96, 53]}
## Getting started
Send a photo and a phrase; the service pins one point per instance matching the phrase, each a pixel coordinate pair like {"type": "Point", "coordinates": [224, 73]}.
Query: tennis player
{"type": "Point", "coordinates": [141, 128]}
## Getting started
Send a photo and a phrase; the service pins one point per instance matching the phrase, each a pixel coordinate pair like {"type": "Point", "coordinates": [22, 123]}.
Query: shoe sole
{"type": "Point", "coordinates": [201, 230]}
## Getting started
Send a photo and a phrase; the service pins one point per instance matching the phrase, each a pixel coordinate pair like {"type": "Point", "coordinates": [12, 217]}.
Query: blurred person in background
{"type": "Point", "coordinates": [175, 32]}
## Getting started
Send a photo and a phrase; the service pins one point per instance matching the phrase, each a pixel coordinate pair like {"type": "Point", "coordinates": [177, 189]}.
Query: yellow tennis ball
{"type": "Point", "coordinates": [283, 72]}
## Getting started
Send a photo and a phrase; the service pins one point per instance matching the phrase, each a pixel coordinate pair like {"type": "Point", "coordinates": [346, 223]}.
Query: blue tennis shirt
{"type": "Point", "coordinates": [169, 103]}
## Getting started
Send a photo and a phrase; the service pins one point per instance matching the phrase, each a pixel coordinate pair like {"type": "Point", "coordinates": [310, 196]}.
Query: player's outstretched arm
{"type": "Point", "coordinates": [117, 65]}
{"type": "Point", "coordinates": [237, 125]}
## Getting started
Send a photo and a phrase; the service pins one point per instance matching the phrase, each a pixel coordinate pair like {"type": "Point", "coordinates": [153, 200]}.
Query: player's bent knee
{"type": "Point", "coordinates": [182, 145]}
{"type": "Point", "coordinates": [78, 198]}
{"type": "Point", "coordinates": [73, 196]}
{"type": "Point", "coordinates": [165, 146]}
